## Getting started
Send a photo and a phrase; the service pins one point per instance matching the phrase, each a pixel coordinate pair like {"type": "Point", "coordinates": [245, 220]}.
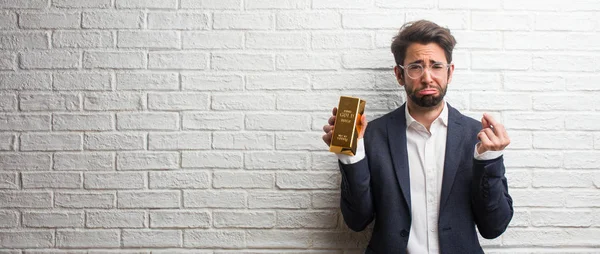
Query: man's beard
{"type": "Point", "coordinates": [426, 101]}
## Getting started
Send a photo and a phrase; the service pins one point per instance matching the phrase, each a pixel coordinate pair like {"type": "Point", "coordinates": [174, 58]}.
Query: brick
{"type": "Point", "coordinates": [113, 20]}
{"type": "Point", "coordinates": [277, 239]}
{"type": "Point", "coordinates": [279, 199]}
{"type": "Point", "coordinates": [307, 219]}
{"type": "Point", "coordinates": [582, 83]}
{"type": "Point", "coordinates": [564, 22]}
{"type": "Point", "coordinates": [214, 199]}
{"type": "Point", "coordinates": [243, 101]}
{"type": "Point", "coordinates": [50, 142]}
{"type": "Point", "coordinates": [597, 142]}
{"type": "Point", "coordinates": [533, 159]}
{"type": "Point", "coordinates": [308, 20]}
{"type": "Point", "coordinates": [179, 141]}
{"type": "Point", "coordinates": [69, 81]}
{"type": "Point", "coordinates": [537, 121]}
{"type": "Point", "coordinates": [244, 180]}
{"type": "Point", "coordinates": [181, 251]}
{"type": "Point", "coordinates": [552, 5]}
{"type": "Point", "coordinates": [562, 179]}
{"type": "Point", "coordinates": [343, 4]}
{"type": "Point", "coordinates": [81, 3]}
{"type": "Point", "coordinates": [9, 180]}
{"type": "Point", "coordinates": [27, 238]}
{"type": "Point", "coordinates": [368, 60]}
{"type": "Point", "coordinates": [213, 239]}
{"type": "Point", "coordinates": [51, 180]}
{"type": "Point", "coordinates": [454, 20]}
{"type": "Point", "coordinates": [148, 199]}
{"type": "Point", "coordinates": [116, 180]}
{"type": "Point", "coordinates": [49, 60]}
{"type": "Point", "coordinates": [9, 219]}
{"type": "Point", "coordinates": [113, 101]}
{"type": "Point", "coordinates": [213, 121]}
{"type": "Point", "coordinates": [302, 141]}
{"type": "Point", "coordinates": [23, 40]}
{"type": "Point", "coordinates": [550, 218]}
{"type": "Point", "coordinates": [581, 159]}
{"type": "Point", "coordinates": [277, 4]}
{"type": "Point", "coordinates": [582, 122]}
{"type": "Point", "coordinates": [8, 102]}
{"type": "Point", "coordinates": [243, 141]}
{"type": "Point", "coordinates": [211, 160]}
{"type": "Point", "coordinates": [242, 61]}
{"type": "Point", "coordinates": [325, 200]}
{"type": "Point", "coordinates": [241, 20]}
{"type": "Point", "coordinates": [178, 20]}
{"type": "Point", "coordinates": [115, 219]}
{"type": "Point", "coordinates": [277, 40]}
{"type": "Point", "coordinates": [152, 238]}
{"type": "Point", "coordinates": [229, 219]}
{"type": "Point", "coordinates": [273, 122]}
{"type": "Point", "coordinates": [179, 219]}
{"type": "Point", "coordinates": [559, 140]}
{"type": "Point", "coordinates": [84, 161]}
{"type": "Point", "coordinates": [179, 180]}
{"type": "Point", "coordinates": [212, 40]}
{"type": "Point", "coordinates": [195, 82]}
{"type": "Point", "coordinates": [324, 161]}
{"type": "Point", "coordinates": [114, 60]}
{"type": "Point", "coordinates": [49, 20]}
{"type": "Point", "coordinates": [148, 39]}
{"type": "Point", "coordinates": [504, 61]}
{"type": "Point", "coordinates": [582, 199]}
{"type": "Point", "coordinates": [83, 122]}
{"type": "Point", "coordinates": [8, 20]}
{"type": "Point", "coordinates": [22, 199]}
{"type": "Point", "coordinates": [305, 101]}
{"type": "Point", "coordinates": [546, 62]}
{"type": "Point", "coordinates": [25, 81]}
{"type": "Point", "coordinates": [341, 240]}
{"type": "Point", "coordinates": [147, 160]}
{"type": "Point", "coordinates": [96, 238]}
{"type": "Point", "coordinates": [53, 219]}
{"type": "Point", "coordinates": [470, 4]}
{"type": "Point", "coordinates": [500, 101]}
{"type": "Point", "coordinates": [144, 4]}
{"type": "Point", "coordinates": [501, 21]}
{"type": "Point", "coordinates": [177, 60]}
{"type": "Point", "coordinates": [178, 101]}
{"type": "Point", "coordinates": [84, 199]}
{"type": "Point", "coordinates": [82, 39]}
{"type": "Point", "coordinates": [8, 60]}
{"type": "Point", "coordinates": [24, 122]}
{"type": "Point", "coordinates": [307, 61]}
{"type": "Point", "coordinates": [342, 40]}
{"type": "Point", "coordinates": [552, 237]}
{"type": "Point", "coordinates": [147, 81]}
{"type": "Point", "coordinates": [25, 161]}
{"type": "Point", "coordinates": [272, 160]}
{"type": "Point", "coordinates": [303, 181]}
{"type": "Point", "coordinates": [547, 41]}
{"type": "Point", "coordinates": [538, 198]}
{"type": "Point", "coordinates": [534, 82]}
{"type": "Point", "coordinates": [520, 140]}
{"type": "Point", "coordinates": [147, 121]}
{"type": "Point", "coordinates": [277, 82]}
{"type": "Point", "coordinates": [479, 40]}
{"type": "Point", "coordinates": [354, 81]}
{"type": "Point", "coordinates": [49, 102]}
{"type": "Point", "coordinates": [374, 20]}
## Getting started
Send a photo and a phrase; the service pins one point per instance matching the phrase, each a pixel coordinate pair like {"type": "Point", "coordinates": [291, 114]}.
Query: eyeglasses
{"type": "Point", "coordinates": [416, 70]}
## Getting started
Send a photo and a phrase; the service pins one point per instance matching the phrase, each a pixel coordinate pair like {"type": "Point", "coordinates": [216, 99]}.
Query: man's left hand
{"type": "Point", "coordinates": [493, 136]}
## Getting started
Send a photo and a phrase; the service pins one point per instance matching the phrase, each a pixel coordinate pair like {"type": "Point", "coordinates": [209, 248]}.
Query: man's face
{"type": "Point", "coordinates": [427, 90]}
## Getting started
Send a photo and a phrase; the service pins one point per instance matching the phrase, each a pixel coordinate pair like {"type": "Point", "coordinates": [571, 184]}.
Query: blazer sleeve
{"type": "Point", "coordinates": [356, 200]}
{"type": "Point", "coordinates": [492, 205]}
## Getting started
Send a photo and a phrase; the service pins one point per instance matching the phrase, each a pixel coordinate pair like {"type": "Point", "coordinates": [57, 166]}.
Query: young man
{"type": "Point", "coordinates": [425, 173]}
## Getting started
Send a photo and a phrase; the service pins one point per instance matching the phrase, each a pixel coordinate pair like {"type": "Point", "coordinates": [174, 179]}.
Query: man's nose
{"type": "Point", "coordinates": [427, 78]}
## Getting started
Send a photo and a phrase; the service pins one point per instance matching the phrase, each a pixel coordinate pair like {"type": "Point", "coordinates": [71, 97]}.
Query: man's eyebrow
{"type": "Point", "coordinates": [431, 61]}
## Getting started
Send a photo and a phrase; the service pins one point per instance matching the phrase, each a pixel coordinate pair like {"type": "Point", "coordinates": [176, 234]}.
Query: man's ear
{"type": "Point", "coordinates": [450, 72]}
{"type": "Point", "coordinates": [399, 75]}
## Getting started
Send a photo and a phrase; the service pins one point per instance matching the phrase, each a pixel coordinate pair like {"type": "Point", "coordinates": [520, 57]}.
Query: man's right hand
{"type": "Point", "coordinates": [328, 128]}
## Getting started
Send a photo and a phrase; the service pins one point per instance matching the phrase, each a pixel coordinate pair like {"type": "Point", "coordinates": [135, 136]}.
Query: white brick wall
{"type": "Point", "coordinates": [193, 126]}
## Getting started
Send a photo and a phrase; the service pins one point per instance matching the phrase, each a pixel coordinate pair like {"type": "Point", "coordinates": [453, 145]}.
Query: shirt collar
{"type": "Point", "coordinates": [443, 117]}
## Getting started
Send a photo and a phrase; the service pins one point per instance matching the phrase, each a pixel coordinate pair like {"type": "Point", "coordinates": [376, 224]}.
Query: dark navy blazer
{"type": "Point", "coordinates": [474, 193]}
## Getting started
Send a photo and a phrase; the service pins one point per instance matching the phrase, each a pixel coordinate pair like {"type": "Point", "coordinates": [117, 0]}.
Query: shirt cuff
{"type": "Point", "coordinates": [360, 154]}
{"type": "Point", "coordinates": [488, 155]}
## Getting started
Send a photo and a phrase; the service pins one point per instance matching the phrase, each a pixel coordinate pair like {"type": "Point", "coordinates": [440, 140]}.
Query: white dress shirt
{"type": "Point", "coordinates": [426, 154]}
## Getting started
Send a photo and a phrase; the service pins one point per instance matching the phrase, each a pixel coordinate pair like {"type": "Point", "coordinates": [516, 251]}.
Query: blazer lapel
{"type": "Point", "coordinates": [396, 132]}
{"type": "Point", "coordinates": [454, 152]}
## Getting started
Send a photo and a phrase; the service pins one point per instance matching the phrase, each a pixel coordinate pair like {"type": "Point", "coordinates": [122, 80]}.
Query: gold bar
{"type": "Point", "coordinates": [347, 125]}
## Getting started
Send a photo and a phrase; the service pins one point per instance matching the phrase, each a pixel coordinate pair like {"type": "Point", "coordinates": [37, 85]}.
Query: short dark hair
{"type": "Point", "coordinates": [422, 31]}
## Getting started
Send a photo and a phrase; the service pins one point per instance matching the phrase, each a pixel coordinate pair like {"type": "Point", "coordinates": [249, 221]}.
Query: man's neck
{"type": "Point", "coordinates": [425, 115]}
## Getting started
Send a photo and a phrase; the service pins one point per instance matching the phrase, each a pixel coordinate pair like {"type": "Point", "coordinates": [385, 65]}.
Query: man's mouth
{"type": "Point", "coordinates": [427, 91]}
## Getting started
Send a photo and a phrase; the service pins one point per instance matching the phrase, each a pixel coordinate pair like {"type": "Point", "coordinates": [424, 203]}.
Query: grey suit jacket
{"type": "Point", "coordinates": [474, 193]}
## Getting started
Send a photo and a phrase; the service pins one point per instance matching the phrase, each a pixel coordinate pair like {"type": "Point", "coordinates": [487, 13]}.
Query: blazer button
{"type": "Point", "coordinates": [404, 233]}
